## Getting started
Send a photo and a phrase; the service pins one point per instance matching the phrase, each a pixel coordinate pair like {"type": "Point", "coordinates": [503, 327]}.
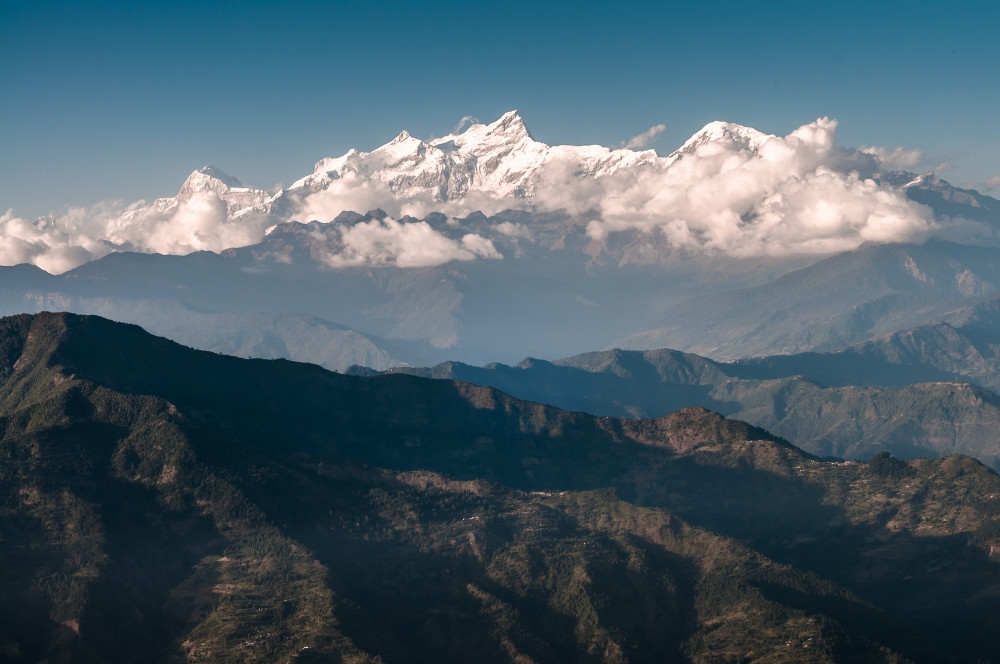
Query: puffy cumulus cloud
{"type": "Point", "coordinates": [899, 158]}
{"type": "Point", "coordinates": [354, 192]}
{"type": "Point", "coordinates": [351, 192]}
{"type": "Point", "coordinates": [388, 242]}
{"type": "Point", "coordinates": [201, 222]}
{"type": "Point", "coordinates": [557, 185]}
{"type": "Point", "coordinates": [57, 243]}
{"type": "Point", "coordinates": [794, 194]}
{"type": "Point", "coordinates": [514, 231]}
{"type": "Point", "coordinates": [198, 223]}
{"type": "Point", "coordinates": [62, 242]}
{"type": "Point", "coordinates": [645, 138]}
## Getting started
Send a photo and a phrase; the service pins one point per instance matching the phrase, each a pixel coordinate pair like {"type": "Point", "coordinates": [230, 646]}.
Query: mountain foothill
{"type": "Point", "coordinates": [163, 504]}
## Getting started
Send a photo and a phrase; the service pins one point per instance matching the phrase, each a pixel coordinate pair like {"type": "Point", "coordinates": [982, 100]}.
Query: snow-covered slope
{"type": "Point", "coordinates": [728, 190]}
{"type": "Point", "coordinates": [498, 161]}
{"type": "Point", "coordinates": [725, 134]}
{"type": "Point", "coordinates": [209, 179]}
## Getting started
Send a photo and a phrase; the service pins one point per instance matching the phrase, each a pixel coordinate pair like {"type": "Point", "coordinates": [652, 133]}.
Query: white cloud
{"type": "Point", "coordinates": [986, 184]}
{"type": "Point", "coordinates": [898, 158]}
{"type": "Point", "coordinates": [350, 192]}
{"type": "Point", "coordinates": [464, 123]}
{"type": "Point", "coordinates": [645, 138]}
{"type": "Point", "coordinates": [60, 243]}
{"type": "Point", "coordinates": [389, 242]}
{"type": "Point", "coordinates": [55, 244]}
{"type": "Point", "coordinates": [199, 223]}
{"type": "Point", "coordinates": [514, 231]}
{"type": "Point", "coordinates": [793, 195]}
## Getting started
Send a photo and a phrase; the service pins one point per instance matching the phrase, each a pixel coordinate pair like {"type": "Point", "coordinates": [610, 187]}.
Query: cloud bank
{"type": "Point", "coordinates": [55, 244]}
{"type": "Point", "coordinates": [61, 242]}
{"type": "Point", "coordinates": [198, 223]}
{"type": "Point", "coordinates": [390, 242]}
{"type": "Point", "coordinates": [796, 194]}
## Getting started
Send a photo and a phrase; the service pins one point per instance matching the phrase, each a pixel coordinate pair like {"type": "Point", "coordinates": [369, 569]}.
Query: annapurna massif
{"type": "Point", "coordinates": [729, 189]}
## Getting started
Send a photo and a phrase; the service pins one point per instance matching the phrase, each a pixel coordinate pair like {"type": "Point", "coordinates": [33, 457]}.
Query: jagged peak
{"type": "Point", "coordinates": [404, 145]}
{"type": "Point", "coordinates": [510, 124]}
{"type": "Point", "coordinates": [722, 128]}
{"type": "Point", "coordinates": [212, 171]}
{"type": "Point", "coordinates": [508, 129]}
{"type": "Point", "coordinates": [719, 130]}
{"type": "Point", "coordinates": [403, 136]}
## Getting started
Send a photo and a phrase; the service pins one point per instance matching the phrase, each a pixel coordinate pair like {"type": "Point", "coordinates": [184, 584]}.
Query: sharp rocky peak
{"type": "Point", "coordinates": [509, 129]}
{"type": "Point", "coordinates": [510, 124]}
{"type": "Point", "coordinates": [402, 137]}
{"type": "Point", "coordinates": [747, 137]}
{"type": "Point", "coordinates": [215, 173]}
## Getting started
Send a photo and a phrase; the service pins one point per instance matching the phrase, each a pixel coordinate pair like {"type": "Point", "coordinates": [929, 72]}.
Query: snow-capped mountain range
{"type": "Point", "coordinates": [729, 190]}
{"type": "Point", "coordinates": [497, 160]}
{"type": "Point", "coordinates": [493, 163]}
{"type": "Point", "coordinates": [577, 246]}
{"type": "Point", "coordinates": [238, 199]}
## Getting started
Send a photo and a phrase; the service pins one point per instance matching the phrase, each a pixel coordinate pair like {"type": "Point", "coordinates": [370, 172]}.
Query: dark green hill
{"type": "Point", "coordinates": [163, 504]}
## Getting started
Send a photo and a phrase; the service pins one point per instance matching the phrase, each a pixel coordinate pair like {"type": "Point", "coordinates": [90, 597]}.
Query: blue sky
{"type": "Point", "coordinates": [103, 101]}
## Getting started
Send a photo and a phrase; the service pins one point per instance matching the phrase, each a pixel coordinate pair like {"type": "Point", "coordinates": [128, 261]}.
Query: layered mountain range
{"type": "Point", "coordinates": [728, 191]}
{"type": "Point", "coordinates": [163, 504]}
{"type": "Point", "coordinates": [848, 405]}
{"type": "Point", "coordinates": [496, 165]}
{"type": "Point", "coordinates": [586, 248]}
{"type": "Point", "coordinates": [500, 166]}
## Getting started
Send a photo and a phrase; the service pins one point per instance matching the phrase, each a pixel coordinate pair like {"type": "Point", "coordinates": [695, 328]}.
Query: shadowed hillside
{"type": "Point", "coordinates": [164, 504]}
{"type": "Point", "coordinates": [784, 394]}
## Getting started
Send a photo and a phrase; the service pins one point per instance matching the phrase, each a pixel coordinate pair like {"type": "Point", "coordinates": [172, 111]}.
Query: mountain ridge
{"type": "Point", "coordinates": [851, 404]}
{"type": "Point", "coordinates": [729, 192]}
{"type": "Point", "coordinates": [831, 304]}
{"type": "Point", "coordinates": [502, 157]}
{"type": "Point", "coordinates": [298, 515]}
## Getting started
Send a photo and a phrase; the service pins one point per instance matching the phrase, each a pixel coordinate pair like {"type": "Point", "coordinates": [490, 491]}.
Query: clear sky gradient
{"type": "Point", "coordinates": [120, 101]}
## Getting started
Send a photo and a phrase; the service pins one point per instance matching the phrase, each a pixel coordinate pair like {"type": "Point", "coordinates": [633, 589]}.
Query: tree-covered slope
{"type": "Point", "coordinates": [164, 504]}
